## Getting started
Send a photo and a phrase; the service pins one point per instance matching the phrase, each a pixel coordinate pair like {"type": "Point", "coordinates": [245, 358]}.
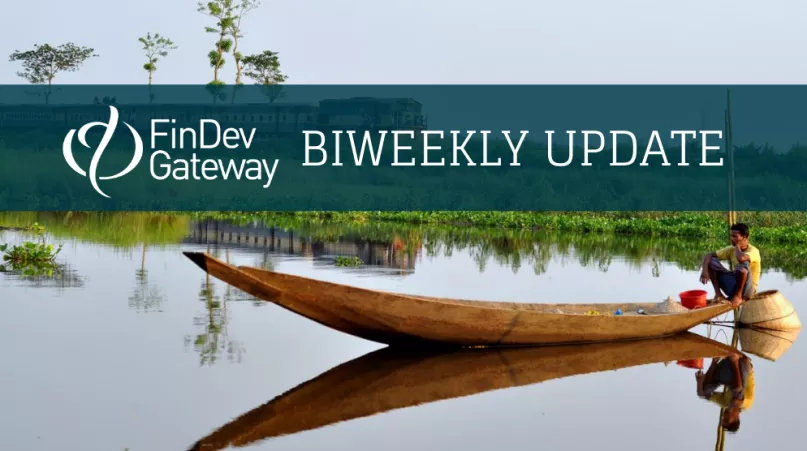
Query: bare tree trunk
{"type": "Point", "coordinates": [237, 59]}
{"type": "Point", "coordinates": [47, 92]}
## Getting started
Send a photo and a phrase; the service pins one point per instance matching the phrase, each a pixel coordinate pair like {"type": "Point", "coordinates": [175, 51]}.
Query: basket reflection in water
{"type": "Point", "coordinates": [766, 343]}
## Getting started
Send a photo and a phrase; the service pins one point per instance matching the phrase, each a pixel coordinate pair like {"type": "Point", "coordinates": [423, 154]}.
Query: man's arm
{"type": "Point", "coordinates": [707, 259]}
{"type": "Point", "coordinates": [699, 378]}
{"type": "Point", "coordinates": [742, 257]}
{"type": "Point", "coordinates": [702, 378]}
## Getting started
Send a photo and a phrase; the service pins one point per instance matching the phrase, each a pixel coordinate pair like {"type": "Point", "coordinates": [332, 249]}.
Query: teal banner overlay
{"type": "Point", "coordinates": [396, 148]}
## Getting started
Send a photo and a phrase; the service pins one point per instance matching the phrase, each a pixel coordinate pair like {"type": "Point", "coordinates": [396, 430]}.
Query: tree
{"type": "Point", "coordinates": [264, 68]}
{"type": "Point", "coordinates": [156, 47]}
{"type": "Point", "coordinates": [216, 88]}
{"type": "Point", "coordinates": [41, 64]}
{"type": "Point", "coordinates": [222, 11]}
{"type": "Point", "coordinates": [240, 11]}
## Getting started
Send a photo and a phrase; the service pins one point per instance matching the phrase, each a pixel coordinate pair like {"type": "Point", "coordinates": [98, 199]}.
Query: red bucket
{"type": "Point", "coordinates": [695, 364]}
{"type": "Point", "coordinates": [693, 299]}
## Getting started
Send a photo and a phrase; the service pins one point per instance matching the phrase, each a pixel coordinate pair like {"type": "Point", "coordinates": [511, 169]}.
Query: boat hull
{"type": "Point", "coordinates": [392, 318]}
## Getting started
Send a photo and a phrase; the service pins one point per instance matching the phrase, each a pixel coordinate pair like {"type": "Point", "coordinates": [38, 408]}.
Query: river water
{"type": "Point", "coordinates": [131, 346]}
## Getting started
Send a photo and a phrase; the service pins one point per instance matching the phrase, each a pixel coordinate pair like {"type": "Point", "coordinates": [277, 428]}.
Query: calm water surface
{"type": "Point", "coordinates": [134, 347]}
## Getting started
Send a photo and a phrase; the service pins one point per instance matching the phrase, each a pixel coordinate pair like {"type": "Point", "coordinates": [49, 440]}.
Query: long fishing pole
{"type": "Point", "coordinates": [733, 192]}
{"type": "Point", "coordinates": [732, 200]}
{"type": "Point", "coordinates": [732, 219]}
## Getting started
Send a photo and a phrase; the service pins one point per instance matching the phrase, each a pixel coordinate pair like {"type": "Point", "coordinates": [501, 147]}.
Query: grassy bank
{"type": "Point", "coordinates": [521, 247]}
{"type": "Point", "coordinates": [432, 235]}
{"type": "Point", "coordinates": [767, 227]}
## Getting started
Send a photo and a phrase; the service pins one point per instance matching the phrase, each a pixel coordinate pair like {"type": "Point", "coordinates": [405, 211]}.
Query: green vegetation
{"type": "Point", "coordinates": [348, 261]}
{"type": "Point", "coordinates": [118, 229]}
{"type": "Point", "coordinates": [647, 239]}
{"type": "Point", "coordinates": [516, 247]}
{"type": "Point", "coordinates": [31, 258]}
{"type": "Point", "coordinates": [222, 12]}
{"type": "Point", "coordinates": [264, 69]}
{"type": "Point", "coordinates": [240, 11]}
{"type": "Point", "coordinates": [155, 47]}
{"type": "Point", "coordinates": [784, 227]}
{"type": "Point", "coordinates": [44, 62]}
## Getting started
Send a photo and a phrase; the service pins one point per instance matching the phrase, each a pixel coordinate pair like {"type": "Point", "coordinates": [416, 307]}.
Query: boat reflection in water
{"type": "Point", "coordinates": [397, 378]}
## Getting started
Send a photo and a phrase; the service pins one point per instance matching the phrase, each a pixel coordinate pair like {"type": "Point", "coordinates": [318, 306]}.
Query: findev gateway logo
{"type": "Point", "coordinates": [109, 130]}
{"type": "Point", "coordinates": [162, 165]}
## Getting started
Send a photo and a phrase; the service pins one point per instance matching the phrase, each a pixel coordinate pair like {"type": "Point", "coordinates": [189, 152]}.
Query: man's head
{"type": "Point", "coordinates": [731, 420]}
{"type": "Point", "coordinates": [739, 233]}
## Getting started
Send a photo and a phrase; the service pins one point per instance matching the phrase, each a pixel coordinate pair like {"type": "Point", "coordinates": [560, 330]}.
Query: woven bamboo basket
{"type": "Point", "coordinates": [770, 310]}
{"type": "Point", "coordinates": [768, 344]}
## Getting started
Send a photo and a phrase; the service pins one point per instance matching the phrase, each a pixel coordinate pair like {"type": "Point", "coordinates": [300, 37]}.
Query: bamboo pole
{"type": "Point", "coordinates": [730, 210]}
{"type": "Point", "coordinates": [732, 184]}
{"type": "Point", "coordinates": [721, 434]}
{"type": "Point", "coordinates": [732, 219]}
{"type": "Point", "coordinates": [732, 201]}
{"type": "Point", "coordinates": [733, 164]}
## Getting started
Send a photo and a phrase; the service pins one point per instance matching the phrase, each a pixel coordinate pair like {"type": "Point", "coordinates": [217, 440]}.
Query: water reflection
{"type": "Point", "coordinates": [45, 274]}
{"type": "Point", "coordinates": [393, 248]}
{"type": "Point", "coordinates": [387, 253]}
{"type": "Point", "coordinates": [768, 344]}
{"type": "Point", "coordinates": [146, 297]}
{"type": "Point", "coordinates": [389, 248]}
{"type": "Point", "coordinates": [214, 340]}
{"type": "Point", "coordinates": [62, 276]}
{"type": "Point", "coordinates": [114, 257]}
{"type": "Point", "coordinates": [730, 381]}
{"type": "Point", "coordinates": [735, 373]}
{"type": "Point", "coordinates": [391, 379]}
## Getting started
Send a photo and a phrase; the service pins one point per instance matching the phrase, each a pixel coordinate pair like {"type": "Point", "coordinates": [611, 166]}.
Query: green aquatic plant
{"type": "Point", "coordinates": [348, 261]}
{"type": "Point", "coordinates": [36, 229]}
{"type": "Point", "coordinates": [35, 260]}
{"type": "Point", "coordinates": [30, 258]}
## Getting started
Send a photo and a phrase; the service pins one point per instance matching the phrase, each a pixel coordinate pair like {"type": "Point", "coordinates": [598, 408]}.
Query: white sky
{"type": "Point", "coordinates": [436, 41]}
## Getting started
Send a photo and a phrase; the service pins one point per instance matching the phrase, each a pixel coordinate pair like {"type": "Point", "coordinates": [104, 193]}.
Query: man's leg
{"type": "Point", "coordinates": [741, 275]}
{"type": "Point", "coordinates": [715, 270]}
{"type": "Point", "coordinates": [747, 288]}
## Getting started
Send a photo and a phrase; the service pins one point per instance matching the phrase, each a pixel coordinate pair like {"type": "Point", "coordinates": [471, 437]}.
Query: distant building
{"type": "Point", "coordinates": [361, 113]}
{"type": "Point", "coordinates": [372, 113]}
{"type": "Point", "coordinates": [275, 240]}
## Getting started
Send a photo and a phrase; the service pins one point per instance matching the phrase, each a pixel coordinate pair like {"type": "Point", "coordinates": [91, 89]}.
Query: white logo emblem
{"type": "Point", "coordinates": [67, 149]}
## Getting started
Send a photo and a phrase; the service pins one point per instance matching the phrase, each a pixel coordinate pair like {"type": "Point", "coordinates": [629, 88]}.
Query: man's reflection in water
{"type": "Point", "coordinates": [736, 373]}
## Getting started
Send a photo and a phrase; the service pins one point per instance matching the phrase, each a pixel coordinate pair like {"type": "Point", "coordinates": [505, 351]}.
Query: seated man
{"type": "Point", "coordinates": [740, 284]}
{"type": "Point", "coordinates": [736, 373]}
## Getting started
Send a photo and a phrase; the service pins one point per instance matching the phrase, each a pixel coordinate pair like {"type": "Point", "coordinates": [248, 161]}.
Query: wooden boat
{"type": "Point", "coordinates": [392, 318]}
{"type": "Point", "coordinates": [396, 378]}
